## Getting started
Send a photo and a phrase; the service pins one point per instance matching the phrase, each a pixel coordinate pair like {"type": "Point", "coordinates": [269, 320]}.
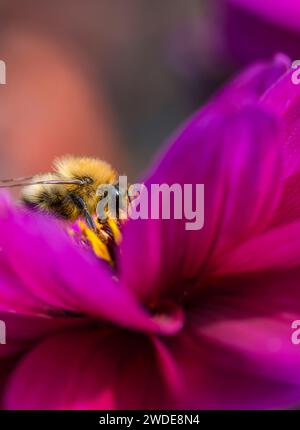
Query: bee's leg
{"type": "Point", "coordinates": [81, 205]}
{"type": "Point", "coordinates": [110, 241]}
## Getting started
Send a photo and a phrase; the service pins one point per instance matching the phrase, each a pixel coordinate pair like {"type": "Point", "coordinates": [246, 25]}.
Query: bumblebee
{"type": "Point", "coordinates": [70, 192]}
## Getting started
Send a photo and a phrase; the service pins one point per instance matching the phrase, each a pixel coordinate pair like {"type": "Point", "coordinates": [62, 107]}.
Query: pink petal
{"type": "Point", "coordinates": [281, 12]}
{"type": "Point", "coordinates": [22, 331]}
{"type": "Point", "coordinates": [250, 84]}
{"type": "Point", "coordinates": [248, 36]}
{"type": "Point", "coordinates": [238, 161]}
{"type": "Point", "coordinates": [278, 248]}
{"type": "Point", "coordinates": [44, 272]}
{"type": "Point", "coordinates": [251, 316]}
{"type": "Point", "coordinates": [283, 99]}
{"type": "Point", "coordinates": [288, 209]}
{"type": "Point", "coordinates": [219, 378]}
{"type": "Point", "coordinates": [94, 369]}
{"type": "Point", "coordinates": [236, 350]}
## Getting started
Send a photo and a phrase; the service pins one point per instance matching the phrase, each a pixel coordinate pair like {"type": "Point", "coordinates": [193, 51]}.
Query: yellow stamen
{"type": "Point", "coordinates": [102, 241]}
{"type": "Point", "coordinates": [115, 230]}
{"type": "Point", "coordinates": [98, 246]}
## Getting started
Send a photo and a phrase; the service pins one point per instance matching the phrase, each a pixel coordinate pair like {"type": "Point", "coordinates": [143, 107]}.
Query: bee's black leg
{"type": "Point", "coordinates": [89, 219]}
{"type": "Point", "coordinates": [81, 205]}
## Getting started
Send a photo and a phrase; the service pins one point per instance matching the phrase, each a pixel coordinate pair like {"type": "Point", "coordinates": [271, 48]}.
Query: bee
{"type": "Point", "coordinates": [70, 190]}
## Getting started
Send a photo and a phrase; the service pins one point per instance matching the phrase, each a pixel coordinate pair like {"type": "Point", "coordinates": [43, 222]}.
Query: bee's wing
{"type": "Point", "coordinates": [33, 180]}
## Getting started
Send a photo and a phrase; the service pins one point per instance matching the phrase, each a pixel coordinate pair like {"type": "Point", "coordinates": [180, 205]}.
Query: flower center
{"type": "Point", "coordinates": [102, 241]}
{"type": "Point", "coordinates": [169, 315]}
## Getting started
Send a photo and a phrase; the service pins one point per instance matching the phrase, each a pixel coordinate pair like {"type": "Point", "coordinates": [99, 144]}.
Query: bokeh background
{"type": "Point", "coordinates": [114, 78]}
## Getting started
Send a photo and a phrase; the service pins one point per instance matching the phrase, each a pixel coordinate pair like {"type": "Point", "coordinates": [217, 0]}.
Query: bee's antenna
{"type": "Point", "coordinates": [24, 178]}
{"type": "Point", "coordinates": [23, 182]}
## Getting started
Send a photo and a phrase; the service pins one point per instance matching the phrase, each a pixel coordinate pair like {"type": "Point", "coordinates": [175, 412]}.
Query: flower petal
{"type": "Point", "coordinates": [113, 369]}
{"type": "Point", "coordinates": [251, 316]}
{"type": "Point", "coordinates": [237, 158]}
{"type": "Point", "coordinates": [282, 12]}
{"type": "Point", "coordinates": [278, 248]}
{"type": "Point", "coordinates": [267, 38]}
{"type": "Point", "coordinates": [283, 99]}
{"type": "Point", "coordinates": [22, 331]}
{"type": "Point", "coordinates": [218, 378]}
{"type": "Point", "coordinates": [236, 350]}
{"type": "Point", "coordinates": [94, 369]}
{"type": "Point", "coordinates": [44, 272]}
{"type": "Point", "coordinates": [250, 84]}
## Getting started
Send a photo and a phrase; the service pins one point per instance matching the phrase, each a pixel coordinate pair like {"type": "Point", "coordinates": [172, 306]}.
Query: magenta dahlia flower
{"type": "Point", "coordinates": [187, 319]}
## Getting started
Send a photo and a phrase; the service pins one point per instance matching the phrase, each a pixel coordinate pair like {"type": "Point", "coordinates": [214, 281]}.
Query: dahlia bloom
{"type": "Point", "coordinates": [187, 319]}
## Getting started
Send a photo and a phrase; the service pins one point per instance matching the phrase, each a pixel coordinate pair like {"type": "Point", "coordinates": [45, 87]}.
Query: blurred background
{"type": "Point", "coordinates": [114, 78]}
